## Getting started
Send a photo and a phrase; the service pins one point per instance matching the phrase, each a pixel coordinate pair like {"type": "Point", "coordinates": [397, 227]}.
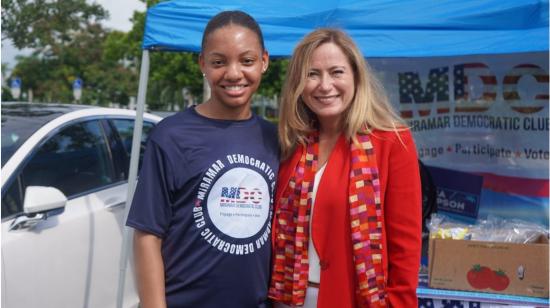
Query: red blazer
{"type": "Point", "coordinates": [401, 203]}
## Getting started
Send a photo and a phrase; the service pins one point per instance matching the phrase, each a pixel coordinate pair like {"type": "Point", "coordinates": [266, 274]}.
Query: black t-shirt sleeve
{"type": "Point", "coordinates": [151, 209]}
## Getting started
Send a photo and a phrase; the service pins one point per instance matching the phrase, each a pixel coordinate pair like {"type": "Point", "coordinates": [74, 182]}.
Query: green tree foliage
{"type": "Point", "coordinates": [41, 24]}
{"type": "Point", "coordinates": [6, 92]}
{"type": "Point", "coordinates": [273, 78]}
{"type": "Point", "coordinates": [68, 43]}
{"type": "Point", "coordinates": [105, 79]}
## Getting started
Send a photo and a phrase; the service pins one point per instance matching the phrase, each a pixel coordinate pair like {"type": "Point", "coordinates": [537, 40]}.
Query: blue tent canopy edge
{"type": "Point", "coordinates": [381, 28]}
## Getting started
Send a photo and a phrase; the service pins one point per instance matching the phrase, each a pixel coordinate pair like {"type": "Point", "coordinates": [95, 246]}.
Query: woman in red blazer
{"type": "Point", "coordinates": [347, 225]}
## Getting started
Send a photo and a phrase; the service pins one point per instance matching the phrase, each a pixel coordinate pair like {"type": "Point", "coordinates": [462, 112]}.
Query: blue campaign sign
{"type": "Point", "coordinates": [16, 83]}
{"type": "Point", "coordinates": [457, 202]}
{"type": "Point", "coordinates": [458, 193]}
{"type": "Point", "coordinates": [77, 84]}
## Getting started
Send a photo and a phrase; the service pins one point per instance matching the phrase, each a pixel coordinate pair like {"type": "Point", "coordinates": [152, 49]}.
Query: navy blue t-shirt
{"type": "Point", "coordinates": [206, 188]}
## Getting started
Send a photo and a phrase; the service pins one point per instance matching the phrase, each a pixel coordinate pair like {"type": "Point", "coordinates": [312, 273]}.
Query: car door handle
{"type": "Point", "coordinates": [25, 222]}
{"type": "Point", "coordinates": [112, 204]}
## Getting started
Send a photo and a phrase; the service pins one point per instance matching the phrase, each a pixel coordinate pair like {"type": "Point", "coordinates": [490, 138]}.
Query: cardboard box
{"type": "Point", "coordinates": [505, 268]}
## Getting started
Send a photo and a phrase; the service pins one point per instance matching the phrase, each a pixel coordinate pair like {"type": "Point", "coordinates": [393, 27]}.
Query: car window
{"type": "Point", "coordinates": [74, 160]}
{"type": "Point", "coordinates": [20, 121]}
{"type": "Point", "coordinates": [125, 130]}
{"type": "Point", "coordinates": [12, 201]}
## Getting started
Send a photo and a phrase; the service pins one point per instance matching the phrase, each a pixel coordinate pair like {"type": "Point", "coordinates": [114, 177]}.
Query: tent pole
{"type": "Point", "coordinates": [132, 177]}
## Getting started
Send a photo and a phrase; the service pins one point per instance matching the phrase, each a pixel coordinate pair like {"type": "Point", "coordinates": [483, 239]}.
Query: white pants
{"type": "Point", "coordinates": [310, 302]}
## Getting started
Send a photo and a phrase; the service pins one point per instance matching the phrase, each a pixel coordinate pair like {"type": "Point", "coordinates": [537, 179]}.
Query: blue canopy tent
{"type": "Point", "coordinates": [381, 28]}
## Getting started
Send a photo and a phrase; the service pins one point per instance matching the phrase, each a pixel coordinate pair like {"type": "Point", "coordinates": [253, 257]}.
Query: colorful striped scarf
{"type": "Point", "coordinates": [290, 265]}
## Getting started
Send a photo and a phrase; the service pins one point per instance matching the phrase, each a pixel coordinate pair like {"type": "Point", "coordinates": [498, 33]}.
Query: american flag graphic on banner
{"type": "Point", "coordinates": [510, 88]}
{"type": "Point", "coordinates": [464, 87]}
{"type": "Point", "coordinates": [413, 97]}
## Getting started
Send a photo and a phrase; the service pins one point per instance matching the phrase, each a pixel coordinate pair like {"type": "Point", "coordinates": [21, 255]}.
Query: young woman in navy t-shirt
{"type": "Point", "coordinates": [203, 205]}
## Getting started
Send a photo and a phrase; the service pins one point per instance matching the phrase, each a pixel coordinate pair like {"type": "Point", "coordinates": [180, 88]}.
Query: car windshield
{"type": "Point", "coordinates": [20, 121]}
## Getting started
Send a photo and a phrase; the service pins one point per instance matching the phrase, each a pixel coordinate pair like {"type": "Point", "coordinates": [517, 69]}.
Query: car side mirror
{"type": "Point", "coordinates": [43, 199]}
{"type": "Point", "coordinates": [40, 203]}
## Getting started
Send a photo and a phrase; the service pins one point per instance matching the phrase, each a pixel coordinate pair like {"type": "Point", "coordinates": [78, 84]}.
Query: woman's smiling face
{"type": "Point", "coordinates": [330, 85]}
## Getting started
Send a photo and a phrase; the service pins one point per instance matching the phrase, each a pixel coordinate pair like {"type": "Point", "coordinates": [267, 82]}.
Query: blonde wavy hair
{"type": "Point", "coordinates": [370, 107]}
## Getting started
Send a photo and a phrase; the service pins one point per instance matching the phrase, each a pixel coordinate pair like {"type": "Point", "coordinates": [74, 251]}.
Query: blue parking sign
{"type": "Point", "coordinates": [15, 83]}
{"type": "Point", "coordinates": [77, 84]}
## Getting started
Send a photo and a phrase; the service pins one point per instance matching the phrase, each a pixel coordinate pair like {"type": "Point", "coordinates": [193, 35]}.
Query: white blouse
{"type": "Point", "coordinates": [314, 267]}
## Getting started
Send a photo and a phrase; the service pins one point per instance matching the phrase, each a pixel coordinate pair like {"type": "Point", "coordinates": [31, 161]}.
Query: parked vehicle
{"type": "Point", "coordinates": [64, 186]}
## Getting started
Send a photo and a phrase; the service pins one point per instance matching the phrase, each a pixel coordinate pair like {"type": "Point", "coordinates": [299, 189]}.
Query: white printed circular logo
{"type": "Point", "coordinates": [238, 203]}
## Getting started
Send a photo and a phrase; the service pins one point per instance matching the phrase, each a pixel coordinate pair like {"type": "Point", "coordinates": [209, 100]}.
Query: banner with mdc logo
{"type": "Point", "coordinates": [483, 114]}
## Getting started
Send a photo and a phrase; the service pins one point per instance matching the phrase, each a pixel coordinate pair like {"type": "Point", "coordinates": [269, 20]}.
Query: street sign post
{"type": "Point", "coordinates": [15, 87]}
{"type": "Point", "coordinates": [77, 89]}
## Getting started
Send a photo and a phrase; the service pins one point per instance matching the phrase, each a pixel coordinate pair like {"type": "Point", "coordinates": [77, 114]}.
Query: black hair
{"type": "Point", "coordinates": [232, 17]}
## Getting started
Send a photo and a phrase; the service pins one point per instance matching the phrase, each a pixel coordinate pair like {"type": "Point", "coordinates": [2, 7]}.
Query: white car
{"type": "Point", "coordinates": [64, 186]}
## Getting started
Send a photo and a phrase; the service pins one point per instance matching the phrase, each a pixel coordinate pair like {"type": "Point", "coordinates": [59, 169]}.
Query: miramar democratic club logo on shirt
{"type": "Point", "coordinates": [233, 206]}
